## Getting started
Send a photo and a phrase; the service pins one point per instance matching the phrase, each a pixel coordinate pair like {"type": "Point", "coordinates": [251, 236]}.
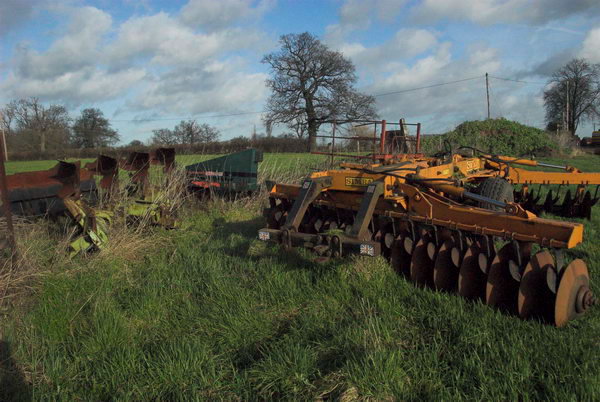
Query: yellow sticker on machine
{"type": "Point", "coordinates": [358, 181]}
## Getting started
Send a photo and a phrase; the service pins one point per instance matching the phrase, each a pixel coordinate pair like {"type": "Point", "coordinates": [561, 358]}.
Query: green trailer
{"type": "Point", "coordinates": [234, 173]}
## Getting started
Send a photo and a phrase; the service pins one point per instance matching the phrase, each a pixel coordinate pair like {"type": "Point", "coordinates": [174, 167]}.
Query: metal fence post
{"type": "Point", "coordinates": [10, 231]}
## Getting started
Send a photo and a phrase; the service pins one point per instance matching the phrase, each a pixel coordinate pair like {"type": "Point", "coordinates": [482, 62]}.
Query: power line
{"type": "Point", "coordinates": [429, 86]}
{"type": "Point", "coordinates": [141, 120]}
{"type": "Point", "coordinates": [260, 112]}
{"type": "Point", "coordinates": [521, 81]}
{"type": "Point", "coordinates": [187, 118]}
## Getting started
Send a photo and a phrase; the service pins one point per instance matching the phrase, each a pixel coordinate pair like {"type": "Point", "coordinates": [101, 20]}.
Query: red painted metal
{"type": "Point", "coordinates": [10, 230]}
{"type": "Point", "coordinates": [418, 146]}
{"type": "Point", "coordinates": [206, 184]}
{"type": "Point", "coordinates": [381, 153]}
{"type": "Point", "coordinates": [163, 156]}
{"type": "Point", "coordinates": [138, 163]}
{"type": "Point", "coordinates": [383, 133]}
{"type": "Point", "coordinates": [105, 166]}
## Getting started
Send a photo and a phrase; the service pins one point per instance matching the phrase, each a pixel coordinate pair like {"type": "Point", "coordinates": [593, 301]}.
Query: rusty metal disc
{"type": "Point", "coordinates": [567, 205]}
{"type": "Point", "coordinates": [276, 217]}
{"type": "Point", "coordinates": [471, 279]}
{"type": "Point", "coordinates": [456, 255]}
{"type": "Point", "coordinates": [501, 288]}
{"type": "Point", "coordinates": [445, 272]}
{"type": "Point", "coordinates": [431, 250]}
{"type": "Point", "coordinates": [313, 225]}
{"type": "Point", "coordinates": [549, 201]}
{"type": "Point", "coordinates": [536, 299]}
{"type": "Point", "coordinates": [408, 244]}
{"type": "Point", "coordinates": [388, 239]}
{"type": "Point", "coordinates": [385, 236]}
{"type": "Point", "coordinates": [585, 209]}
{"type": "Point", "coordinates": [318, 224]}
{"type": "Point", "coordinates": [574, 296]}
{"type": "Point", "coordinates": [400, 258]}
{"type": "Point", "coordinates": [421, 265]}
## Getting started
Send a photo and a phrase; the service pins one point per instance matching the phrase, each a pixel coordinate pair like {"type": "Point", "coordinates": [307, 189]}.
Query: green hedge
{"type": "Point", "coordinates": [498, 136]}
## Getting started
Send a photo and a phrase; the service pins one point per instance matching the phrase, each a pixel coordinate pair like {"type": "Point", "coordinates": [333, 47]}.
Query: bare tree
{"type": "Point", "coordinates": [32, 117]}
{"type": "Point", "coordinates": [186, 132]}
{"type": "Point", "coordinates": [7, 117]}
{"type": "Point", "coordinates": [163, 136]}
{"type": "Point", "coordinates": [190, 132]}
{"type": "Point", "coordinates": [573, 96]}
{"type": "Point", "coordinates": [92, 130]}
{"type": "Point", "coordinates": [311, 84]}
{"type": "Point", "coordinates": [208, 133]}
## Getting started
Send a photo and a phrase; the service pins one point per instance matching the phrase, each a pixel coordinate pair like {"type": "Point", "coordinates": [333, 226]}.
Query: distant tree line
{"type": "Point", "coordinates": [35, 130]}
{"type": "Point", "coordinates": [283, 143]}
{"type": "Point", "coordinates": [188, 132]}
{"type": "Point", "coordinates": [572, 96]}
{"type": "Point", "coordinates": [31, 126]}
{"type": "Point", "coordinates": [311, 85]}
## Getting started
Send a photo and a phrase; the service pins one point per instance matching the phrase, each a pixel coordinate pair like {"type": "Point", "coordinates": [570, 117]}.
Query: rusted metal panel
{"type": "Point", "coordinates": [6, 210]}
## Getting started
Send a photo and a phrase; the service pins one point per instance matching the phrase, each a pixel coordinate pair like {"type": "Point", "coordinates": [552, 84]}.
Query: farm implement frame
{"type": "Point", "coordinates": [71, 189]}
{"type": "Point", "coordinates": [448, 223]}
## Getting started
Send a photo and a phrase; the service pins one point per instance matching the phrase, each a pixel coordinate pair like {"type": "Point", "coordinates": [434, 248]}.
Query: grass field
{"type": "Point", "coordinates": [280, 161]}
{"type": "Point", "coordinates": [208, 312]}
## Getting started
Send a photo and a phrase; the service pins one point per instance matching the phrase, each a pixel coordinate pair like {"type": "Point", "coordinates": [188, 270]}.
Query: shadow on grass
{"type": "Point", "coordinates": [13, 386]}
{"type": "Point", "coordinates": [248, 230]}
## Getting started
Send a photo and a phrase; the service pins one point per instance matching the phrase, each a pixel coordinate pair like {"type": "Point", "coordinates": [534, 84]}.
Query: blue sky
{"type": "Point", "coordinates": [148, 64]}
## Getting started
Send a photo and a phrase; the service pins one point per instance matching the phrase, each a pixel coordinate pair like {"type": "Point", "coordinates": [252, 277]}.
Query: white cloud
{"type": "Point", "coordinates": [167, 41]}
{"type": "Point", "coordinates": [424, 70]}
{"type": "Point", "coordinates": [76, 49]}
{"type": "Point", "coordinates": [217, 87]}
{"type": "Point", "coordinates": [591, 46]}
{"type": "Point", "coordinates": [14, 12]}
{"type": "Point", "coordinates": [387, 10]}
{"type": "Point", "coordinates": [358, 14]}
{"type": "Point", "coordinates": [203, 58]}
{"type": "Point", "coordinates": [209, 15]}
{"type": "Point", "coordinates": [355, 13]}
{"type": "Point", "coordinates": [162, 38]}
{"type": "Point", "coordinates": [588, 49]}
{"type": "Point", "coordinates": [88, 84]}
{"type": "Point", "coordinates": [405, 44]}
{"type": "Point", "coordinates": [439, 107]}
{"type": "Point", "coordinates": [71, 70]}
{"type": "Point", "coordinates": [184, 70]}
{"type": "Point", "coordinates": [487, 12]}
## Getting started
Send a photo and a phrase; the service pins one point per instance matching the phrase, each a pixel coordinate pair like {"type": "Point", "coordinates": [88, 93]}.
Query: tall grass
{"type": "Point", "coordinates": [207, 312]}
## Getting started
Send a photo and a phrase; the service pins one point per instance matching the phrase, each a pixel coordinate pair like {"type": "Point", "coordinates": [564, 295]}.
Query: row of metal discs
{"type": "Point", "coordinates": [510, 279]}
{"type": "Point", "coordinates": [532, 288]}
{"type": "Point", "coordinates": [579, 205]}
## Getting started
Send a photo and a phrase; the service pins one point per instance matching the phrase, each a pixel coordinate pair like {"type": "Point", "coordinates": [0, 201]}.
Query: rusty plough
{"type": "Point", "coordinates": [57, 191]}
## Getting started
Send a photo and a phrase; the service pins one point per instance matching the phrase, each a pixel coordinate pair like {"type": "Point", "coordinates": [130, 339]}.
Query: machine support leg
{"type": "Point", "coordinates": [311, 188]}
{"type": "Point", "coordinates": [365, 212]}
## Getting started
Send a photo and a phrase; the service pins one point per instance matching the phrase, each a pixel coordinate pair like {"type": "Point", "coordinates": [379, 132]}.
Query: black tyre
{"type": "Point", "coordinates": [497, 189]}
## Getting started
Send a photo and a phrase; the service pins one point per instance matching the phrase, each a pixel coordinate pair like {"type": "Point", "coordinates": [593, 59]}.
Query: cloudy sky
{"type": "Point", "coordinates": [150, 63]}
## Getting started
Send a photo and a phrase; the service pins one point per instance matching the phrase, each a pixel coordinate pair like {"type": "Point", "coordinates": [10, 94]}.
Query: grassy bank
{"type": "Point", "coordinates": [209, 312]}
{"type": "Point", "coordinates": [278, 161]}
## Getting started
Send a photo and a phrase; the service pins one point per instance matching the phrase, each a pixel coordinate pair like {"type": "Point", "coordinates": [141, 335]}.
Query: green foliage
{"type": "Point", "coordinates": [93, 130]}
{"type": "Point", "coordinates": [498, 136]}
{"type": "Point", "coordinates": [216, 314]}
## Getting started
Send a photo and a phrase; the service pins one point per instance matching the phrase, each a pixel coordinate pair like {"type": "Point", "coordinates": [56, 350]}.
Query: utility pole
{"type": "Point", "coordinates": [568, 117]}
{"type": "Point", "coordinates": [3, 132]}
{"type": "Point", "coordinates": [487, 91]}
{"type": "Point", "coordinates": [10, 231]}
